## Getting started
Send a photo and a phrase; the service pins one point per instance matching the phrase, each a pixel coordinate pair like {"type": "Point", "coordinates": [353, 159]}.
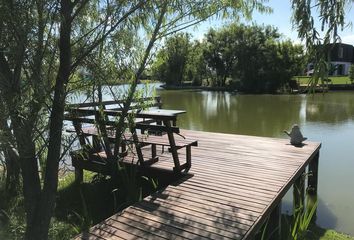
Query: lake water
{"type": "Point", "coordinates": [327, 118]}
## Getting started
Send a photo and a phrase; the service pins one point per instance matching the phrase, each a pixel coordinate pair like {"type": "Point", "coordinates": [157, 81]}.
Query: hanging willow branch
{"type": "Point", "coordinates": [318, 42]}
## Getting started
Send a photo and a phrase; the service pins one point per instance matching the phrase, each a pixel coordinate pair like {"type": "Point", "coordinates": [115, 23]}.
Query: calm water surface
{"type": "Point", "coordinates": [325, 118]}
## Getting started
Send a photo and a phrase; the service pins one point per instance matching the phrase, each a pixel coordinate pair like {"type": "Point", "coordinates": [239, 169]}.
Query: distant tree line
{"type": "Point", "coordinates": [250, 59]}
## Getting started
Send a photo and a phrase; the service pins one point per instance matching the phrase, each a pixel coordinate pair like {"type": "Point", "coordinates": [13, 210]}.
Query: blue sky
{"type": "Point", "coordinates": [280, 18]}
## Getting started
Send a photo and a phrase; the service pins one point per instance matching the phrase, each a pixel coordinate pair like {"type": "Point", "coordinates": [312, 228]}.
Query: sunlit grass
{"type": "Point", "coordinates": [326, 234]}
{"type": "Point", "coordinates": [304, 80]}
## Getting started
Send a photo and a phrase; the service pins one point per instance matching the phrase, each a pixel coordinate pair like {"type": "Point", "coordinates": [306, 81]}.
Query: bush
{"type": "Point", "coordinates": [351, 73]}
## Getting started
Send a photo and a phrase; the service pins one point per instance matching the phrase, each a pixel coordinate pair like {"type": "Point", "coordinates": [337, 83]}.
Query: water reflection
{"type": "Point", "coordinates": [229, 113]}
{"type": "Point", "coordinates": [331, 108]}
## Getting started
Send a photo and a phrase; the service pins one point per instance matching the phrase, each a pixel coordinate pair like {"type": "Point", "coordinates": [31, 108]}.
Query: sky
{"type": "Point", "coordinates": [280, 18]}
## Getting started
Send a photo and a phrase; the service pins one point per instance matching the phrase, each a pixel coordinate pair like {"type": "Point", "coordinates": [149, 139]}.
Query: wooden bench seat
{"type": "Point", "coordinates": [144, 140]}
{"type": "Point", "coordinates": [163, 140]}
{"type": "Point", "coordinates": [95, 162]}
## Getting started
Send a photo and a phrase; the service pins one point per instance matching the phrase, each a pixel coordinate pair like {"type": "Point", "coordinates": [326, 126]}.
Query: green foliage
{"type": "Point", "coordinates": [302, 220]}
{"type": "Point", "coordinates": [180, 60]}
{"type": "Point", "coordinates": [220, 53]}
{"type": "Point", "coordinates": [331, 15]}
{"type": "Point", "coordinates": [196, 68]}
{"type": "Point", "coordinates": [351, 73]}
{"type": "Point", "coordinates": [129, 189]}
{"type": "Point", "coordinates": [326, 234]}
{"type": "Point", "coordinates": [60, 230]}
{"type": "Point", "coordinates": [12, 224]}
{"type": "Point", "coordinates": [78, 206]}
{"type": "Point", "coordinates": [253, 55]}
{"type": "Point", "coordinates": [172, 59]}
{"type": "Point", "coordinates": [298, 229]}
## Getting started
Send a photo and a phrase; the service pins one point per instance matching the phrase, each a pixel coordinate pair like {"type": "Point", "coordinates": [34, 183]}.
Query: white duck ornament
{"type": "Point", "coordinates": [295, 135]}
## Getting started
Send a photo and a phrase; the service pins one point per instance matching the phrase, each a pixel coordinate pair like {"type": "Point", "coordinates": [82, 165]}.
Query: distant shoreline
{"type": "Point", "coordinates": [330, 87]}
{"type": "Point", "coordinates": [204, 88]}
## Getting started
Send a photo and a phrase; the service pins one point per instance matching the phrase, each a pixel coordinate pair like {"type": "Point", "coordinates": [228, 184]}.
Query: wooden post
{"type": "Point", "coordinates": [137, 147]}
{"type": "Point", "coordinates": [76, 158]}
{"type": "Point", "coordinates": [159, 102]}
{"type": "Point", "coordinates": [153, 150]}
{"type": "Point", "coordinates": [96, 143]}
{"type": "Point", "coordinates": [78, 130]}
{"type": "Point", "coordinates": [299, 194]}
{"type": "Point", "coordinates": [273, 230]}
{"type": "Point", "coordinates": [173, 147]}
{"type": "Point", "coordinates": [188, 157]}
{"type": "Point", "coordinates": [124, 148]}
{"type": "Point", "coordinates": [313, 177]}
{"type": "Point", "coordinates": [312, 183]}
{"type": "Point", "coordinates": [79, 175]}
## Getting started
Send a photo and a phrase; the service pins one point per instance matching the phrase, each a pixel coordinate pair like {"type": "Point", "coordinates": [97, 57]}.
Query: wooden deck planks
{"type": "Point", "coordinates": [234, 183]}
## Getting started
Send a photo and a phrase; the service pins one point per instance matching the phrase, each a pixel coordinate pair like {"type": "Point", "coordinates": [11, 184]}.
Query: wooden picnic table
{"type": "Point", "coordinates": [169, 119]}
{"type": "Point", "coordinates": [160, 121]}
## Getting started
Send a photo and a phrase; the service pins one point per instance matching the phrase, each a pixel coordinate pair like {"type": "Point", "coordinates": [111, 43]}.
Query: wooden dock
{"type": "Point", "coordinates": [234, 185]}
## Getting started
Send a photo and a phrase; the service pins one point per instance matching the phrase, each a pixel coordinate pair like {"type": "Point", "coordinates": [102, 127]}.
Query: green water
{"type": "Point", "coordinates": [325, 118]}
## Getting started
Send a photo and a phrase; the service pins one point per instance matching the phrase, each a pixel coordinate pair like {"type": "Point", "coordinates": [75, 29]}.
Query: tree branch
{"type": "Point", "coordinates": [98, 42]}
{"type": "Point", "coordinates": [127, 103]}
{"type": "Point", "coordinates": [79, 9]}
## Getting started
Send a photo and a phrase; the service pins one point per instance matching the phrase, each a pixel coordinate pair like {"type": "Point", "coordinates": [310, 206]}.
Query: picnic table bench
{"type": "Point", "coordinates": [160, 124]}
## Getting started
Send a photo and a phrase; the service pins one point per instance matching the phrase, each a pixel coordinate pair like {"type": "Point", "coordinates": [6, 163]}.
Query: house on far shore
{"type": "Point", "coordinates": [341, 57]}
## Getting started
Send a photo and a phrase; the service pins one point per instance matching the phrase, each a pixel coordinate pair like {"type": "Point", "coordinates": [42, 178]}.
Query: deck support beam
{"type": "Point", "coordinates": [313, 177]}
{"type": "Point", "coordinates": [299, 193]}
{"type": "Point", "coordinates": [273, 230]}
{"type": "Point", "coordinates": [312, 183]}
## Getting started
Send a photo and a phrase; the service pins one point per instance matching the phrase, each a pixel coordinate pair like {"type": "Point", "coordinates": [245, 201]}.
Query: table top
{"type": "Point", "coordinates": [160, 113]}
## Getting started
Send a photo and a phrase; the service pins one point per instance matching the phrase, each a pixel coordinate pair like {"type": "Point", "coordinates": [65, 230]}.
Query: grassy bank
{"type": "Point", "coordinates": [304, 80]}
{"type": "Point", "coordinates": [317, 233]}
{"type": "Point", "coordinates": [78, 206]}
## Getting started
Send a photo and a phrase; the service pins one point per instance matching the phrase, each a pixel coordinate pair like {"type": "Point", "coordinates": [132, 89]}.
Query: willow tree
{"type": "Point", "coordinates": [318, 35]}
{"type": "Point", "coordinates": [42, 46]}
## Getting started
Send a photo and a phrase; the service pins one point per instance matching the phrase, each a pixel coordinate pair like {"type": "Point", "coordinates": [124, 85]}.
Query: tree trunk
{"type": "Point", "coordinates": [120, 126]}
{"type": "Point", "coordinates": [38, 226]}
{"type": "Point", "coordinates": [12, 184]}
{"type": "Point", "coordinates": [223, 81]}
{"type": "Point", "coordinates": [30, 176]}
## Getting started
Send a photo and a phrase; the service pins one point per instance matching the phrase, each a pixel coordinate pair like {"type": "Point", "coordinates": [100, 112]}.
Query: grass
{"type": "Point", "coordinates": [78, 206]}
{"type": "Point", "coordinates": [334, 79]}
{"type": "Point", "coordinates": [300, 225]}
{"type": "Point", "coordinates": [95, 200]}
{"type": "Point", "coordinates": [314, 232]}
{"type": "Point", "coordinates": [318, 233]}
